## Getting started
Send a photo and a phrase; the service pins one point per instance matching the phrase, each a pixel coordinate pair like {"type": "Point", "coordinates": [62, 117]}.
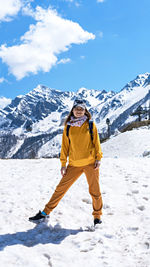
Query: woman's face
{"type": "Point", "coordinates": [78, 112]}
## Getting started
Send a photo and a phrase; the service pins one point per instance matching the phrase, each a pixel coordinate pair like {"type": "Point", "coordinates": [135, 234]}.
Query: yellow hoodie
{"type": "Point", "coordinates": [81, 150]}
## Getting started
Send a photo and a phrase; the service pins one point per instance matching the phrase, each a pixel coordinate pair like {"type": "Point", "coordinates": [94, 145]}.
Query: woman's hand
{"type": "Point", "coordinates": [63, 171]}
{"type": "Point", "coordinates": [97, 164]}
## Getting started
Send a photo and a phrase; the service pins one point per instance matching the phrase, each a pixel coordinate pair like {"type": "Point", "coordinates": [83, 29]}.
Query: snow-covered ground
{"type": "Point", "coordinates": [135, 143]}
{"type": "Point", "coordinates": [123, 239]}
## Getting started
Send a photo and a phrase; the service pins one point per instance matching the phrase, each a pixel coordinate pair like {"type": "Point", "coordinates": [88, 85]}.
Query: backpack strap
{"type": "Point", "coordinates": [67, 132]}
{"type": "Point", "coordinates": [91, 129]}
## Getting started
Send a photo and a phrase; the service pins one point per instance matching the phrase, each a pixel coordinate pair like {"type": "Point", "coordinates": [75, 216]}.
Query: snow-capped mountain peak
{"type": "Point", "coordinates": [4, 102]}
{"type": "Point", "coordinates": [42, 112]}
{"type": "Point", "coordinates": [140, 80]}
{"type": "Point", "coordinates": [84, 92]}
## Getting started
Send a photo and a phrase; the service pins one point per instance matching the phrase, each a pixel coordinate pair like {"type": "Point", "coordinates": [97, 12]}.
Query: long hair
{"type": "Point", "coordinates": [87, 113]}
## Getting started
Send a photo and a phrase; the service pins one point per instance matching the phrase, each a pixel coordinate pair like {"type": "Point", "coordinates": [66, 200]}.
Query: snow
{"type": "Point", "coordinates": [51, 148]}
{"type": "Point", "coordinates": [48, 124]}
{"type": "Point", "coordinates": [15, 148]}
{"type": "Point", "coordinates": [128, 144]}
{"type": "Point", "coordinates": [67, 238]}
{"type": "Point", "coordinates": [4, 102]}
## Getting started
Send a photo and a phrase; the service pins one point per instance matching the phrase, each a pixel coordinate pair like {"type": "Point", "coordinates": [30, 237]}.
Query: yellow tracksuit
{"type": "Point", "coordinates": [82, 155]}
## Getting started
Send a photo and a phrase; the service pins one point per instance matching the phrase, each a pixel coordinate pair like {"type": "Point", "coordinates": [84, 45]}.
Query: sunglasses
{"type": "Point", "coordinates": [79, 101]}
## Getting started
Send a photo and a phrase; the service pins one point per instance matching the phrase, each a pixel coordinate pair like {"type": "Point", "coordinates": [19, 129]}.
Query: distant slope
{"type": "Point", "coordinates": [133, 143]}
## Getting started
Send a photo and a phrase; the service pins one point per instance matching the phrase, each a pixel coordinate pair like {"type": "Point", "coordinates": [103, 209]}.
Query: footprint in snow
{"type": "Point", "coordinates": [48, 257]}
{"type": "Point", "coordinates": [10, 211]}
{"type": "Point", "coordinates": [86, 250]}
{"type": "Point", "coordinates": [105, 206]}
{"type": "Point", "coordinates": [147, 245]}
{"type": "Point", "coordinates": [108, 236]}
{"type": "Point", "coordinates": [135, 192]}
{"type": "Point", "coordinates": [87, 201]}
{"type": "Point", "coordinates": [133, 228]}
{"type": "Point", "coordinates": [141, 208]}
{"type": "Point", "coordinates": [90, 244]}
{"type": "Point", "coordinates": [146, 198]}
{"type": "Point", "coordinates": [129, 194]}
{"type": "Point", "coordinates": [110, 213]}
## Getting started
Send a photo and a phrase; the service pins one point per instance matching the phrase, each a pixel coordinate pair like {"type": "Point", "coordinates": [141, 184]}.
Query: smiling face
{"type": "Point", "coordinates": [78, 112]}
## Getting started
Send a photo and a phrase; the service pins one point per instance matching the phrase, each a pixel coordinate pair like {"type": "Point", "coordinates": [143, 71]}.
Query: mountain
{"type": "Point", "coordinates": [32, 124]}
{"type": "Point", "coordinates": [4, 102]}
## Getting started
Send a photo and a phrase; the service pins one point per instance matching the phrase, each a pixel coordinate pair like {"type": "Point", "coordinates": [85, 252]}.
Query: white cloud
{"type": "Point", "coordinates": [4, 102]}
{"type": "Point", "coordinates": [40, 46]}
{"type": "Point", "coordinates": [77, 4]}
{"type": "Point", "coordinates": [69, 1]}
{"type": "Point", "coordinates": [9, 8]}
{"type": "Point", "coordinates": [27, 9]}
{"type": "Point", "coordinates": [2, 79]}
{"type": "Point", "coordinates": [64, 61]}
{"type": "Point", "coordinates": [100, 1]}
{"type": "Point", "coordinates": [82, 57]}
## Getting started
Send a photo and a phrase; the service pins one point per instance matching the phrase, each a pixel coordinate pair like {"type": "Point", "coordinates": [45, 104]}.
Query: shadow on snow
{"type": "Point", "coordinates": [41, 234]}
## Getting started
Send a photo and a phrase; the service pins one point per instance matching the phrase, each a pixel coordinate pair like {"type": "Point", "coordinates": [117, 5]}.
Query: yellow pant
{"type": "Point", "coordinates": [69, 178]}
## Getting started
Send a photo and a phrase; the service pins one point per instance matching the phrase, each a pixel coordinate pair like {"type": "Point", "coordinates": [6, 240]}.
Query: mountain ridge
{"type": "Point", "coordinates": [43, 110]}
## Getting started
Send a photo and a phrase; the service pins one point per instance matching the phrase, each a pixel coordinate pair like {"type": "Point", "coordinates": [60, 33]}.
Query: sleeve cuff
{"type": "Point", "coordinates": [99, 157]}
{"type": "Point", "coordinates": [63, 164]}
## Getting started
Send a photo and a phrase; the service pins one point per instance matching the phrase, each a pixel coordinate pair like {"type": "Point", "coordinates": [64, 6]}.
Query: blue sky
{"type": "Point", "coordinates": [69, 44]}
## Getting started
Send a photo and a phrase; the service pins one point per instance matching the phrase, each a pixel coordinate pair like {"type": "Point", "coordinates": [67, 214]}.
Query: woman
{"type": "Point", "coordinates": [84, 151]}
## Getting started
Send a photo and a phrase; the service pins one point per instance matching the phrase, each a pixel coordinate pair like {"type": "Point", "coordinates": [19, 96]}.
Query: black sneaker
{"type": "Point", "coordinates": [39, 217]}
{"type": "Point", "coordinates": [97, 221]}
